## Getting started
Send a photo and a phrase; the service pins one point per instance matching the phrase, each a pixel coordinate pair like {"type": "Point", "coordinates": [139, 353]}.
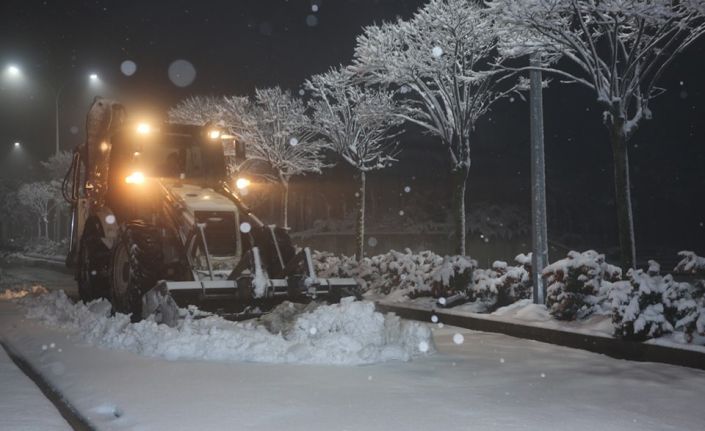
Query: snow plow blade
{"type": "Point", "coordinates": [163, 300]}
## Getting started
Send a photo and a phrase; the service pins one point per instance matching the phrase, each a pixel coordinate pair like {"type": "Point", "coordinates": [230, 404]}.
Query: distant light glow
{"type": "Point", "coordinates": [93, 77]}
{"type": "Point", "coordinates": [242, 183]}
{"type": "Point", "coordinates": [13, 70]}
{"type": "Point", "coordinates": [104, 146]}
{"type": "Point", "coordinates": [214, 134]}
{"type": "Point", "coordinates": [17, 145]}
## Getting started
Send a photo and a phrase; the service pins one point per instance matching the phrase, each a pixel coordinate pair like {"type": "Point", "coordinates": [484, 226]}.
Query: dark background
{"type": "Point", "coordinates": [236, 46]}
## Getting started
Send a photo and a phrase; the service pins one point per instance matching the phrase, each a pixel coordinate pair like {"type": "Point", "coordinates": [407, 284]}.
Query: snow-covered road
{"type": "Point", "coordinates": [486, 382]}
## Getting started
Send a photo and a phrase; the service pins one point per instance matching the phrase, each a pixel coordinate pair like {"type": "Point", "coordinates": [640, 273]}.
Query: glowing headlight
{"type": "Point", "coordinates": [214, 134]}
{"type": "Point", "coordinates": [143, 128]}
{"type": "Point", "coordinates": [135, 178]}
{"type": "Point", "coordinates": [242, 183]}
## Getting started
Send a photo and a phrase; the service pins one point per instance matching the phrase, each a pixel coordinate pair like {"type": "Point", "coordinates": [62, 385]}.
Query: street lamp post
{"type": "Point", "coordinates": [15, 72]}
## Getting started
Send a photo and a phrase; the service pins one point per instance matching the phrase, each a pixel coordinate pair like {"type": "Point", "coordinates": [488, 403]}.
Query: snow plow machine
{"type": "Point", "coordinates": [156, 225]}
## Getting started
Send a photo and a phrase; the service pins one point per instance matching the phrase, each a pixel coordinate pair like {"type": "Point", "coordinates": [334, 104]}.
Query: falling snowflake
{"type": "Point", "coordinates": [423, 347]}
{"type": "Point", "coordinates": [372, 241]}
{"type": "Point", "coordinates": [543, 375]}
{"type": "Point", "coordinates": [293, 142]}
{"type": "Point", "coordinates": [302, 92]}
{"type": "Point", "coordinates": [501, 360]}
{"type": "Point", "coordinates": [110, 219]}
{"type": "Point", "coordinates": [458, 338]}
{"type": "Point", "coordinates": [245, 227]}
{"type": "Point", "coordinates": [128, 67]}
{"type": "Point", "coordinates": [52, 345]}
{"type": "Point", "coordinates": [407, 189]}
{"type": "Point", "coordinates": [182, 73]}
{"type": "Point", "coordinates": [434, 318]}
{"type": "Point", "coordinates": [437, 51]}
{"type": "Point", "coordinates": [311, 20]}
{"type": "Point", "coordinates": [314, 8]}
{"type": "Point", "coordinates": [440, 325]}
{"type": "Point", "coordinates": [442, 301]}
{"type": "Point", "coordinates": [313, 331]}
{"type": "Point", "coordinates": [401, 212]}
{"type": "Point", "coordinates": [44, 346]}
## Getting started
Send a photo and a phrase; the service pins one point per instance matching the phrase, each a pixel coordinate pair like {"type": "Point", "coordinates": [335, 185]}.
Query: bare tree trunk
{"type": "Point", "coordinates": [459, 177]}
{"type": "Point", "coordinates": [45, 219]}
{"type": "Point", "coordinates": [39, 227]}
{"type": "Point", "coordinates": [623, 200]}
{"type": "Point", "coordinates": [360, 222]}
{"type": "Point", "coordinates": [285, 204]}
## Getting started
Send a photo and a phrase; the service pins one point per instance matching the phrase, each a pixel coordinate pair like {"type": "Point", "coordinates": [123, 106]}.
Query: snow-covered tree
{"type": "Point", "coordinates": [358, 124]}
{"type": "Point", "coordinates": [56, 167]}
{"type": "Point", "coordinates": [276, 131]}
{"type": "Point", "coordinates": [198, 110]}
{"type": "Point", "coordinates": [40, 198]}
{"type": "Point", "coordinates": [619, 49]}
{"type": "Point", "coordinates": [440, 60]}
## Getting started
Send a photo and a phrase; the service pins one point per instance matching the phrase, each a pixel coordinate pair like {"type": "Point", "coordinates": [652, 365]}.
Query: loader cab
{"type": "Point", "coordinates": [171, 152]}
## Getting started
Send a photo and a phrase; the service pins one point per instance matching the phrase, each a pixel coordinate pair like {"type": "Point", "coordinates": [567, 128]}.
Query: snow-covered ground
{"type": "Point", "coordinates": [472, 380]}
{"type": "Point", "coordinates": [22, 404]}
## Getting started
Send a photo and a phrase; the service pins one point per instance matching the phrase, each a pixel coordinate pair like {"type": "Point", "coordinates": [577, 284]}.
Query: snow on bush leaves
{"type": "Point", "coordinates": [690, 263]}
{"type": "Point", "coordinates": [349, 333]}
{"type": "Point", "coordinates": [503, 285]}
{"type": "Point", "coordinates": [641, 304]}
{"type": "Point", "coordinates": [575, 284]}
{"type": "Point", "coordinates": [401, 274]}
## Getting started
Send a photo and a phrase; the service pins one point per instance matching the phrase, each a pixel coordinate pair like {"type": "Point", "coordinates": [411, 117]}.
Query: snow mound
{"type": "Point", "coordinates": [349, 333]}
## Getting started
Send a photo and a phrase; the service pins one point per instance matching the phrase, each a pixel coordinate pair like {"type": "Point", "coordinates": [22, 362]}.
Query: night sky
{"type": "Point", "coordinates": [236, 46]}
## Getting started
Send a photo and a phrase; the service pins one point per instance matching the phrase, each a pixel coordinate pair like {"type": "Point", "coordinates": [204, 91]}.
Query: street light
{"type": "Point", "coordinates": [17, 145]}
{"type": "Point", "coordinates": [14, 71]}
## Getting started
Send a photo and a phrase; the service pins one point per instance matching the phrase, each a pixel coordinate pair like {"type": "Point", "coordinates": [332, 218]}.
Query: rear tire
{"type": "Point", "coordinates": [136, 267]}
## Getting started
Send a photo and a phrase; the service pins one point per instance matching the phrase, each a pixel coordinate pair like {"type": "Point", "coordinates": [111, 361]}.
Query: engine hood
{"type": "Point", "coordinates": [197, 198]}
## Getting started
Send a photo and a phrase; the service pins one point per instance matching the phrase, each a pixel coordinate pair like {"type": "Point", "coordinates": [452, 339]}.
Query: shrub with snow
{"type": "Point", "coordinates": [690, 263]}
{"type": "Point", "coordinates": [642, 305]}
{"type": "Point", "coordinates": [502, 284]}
{"type": "Point", "coordinates": [408, 274]}
{"type": "Point", "coordinates": [575, 284]}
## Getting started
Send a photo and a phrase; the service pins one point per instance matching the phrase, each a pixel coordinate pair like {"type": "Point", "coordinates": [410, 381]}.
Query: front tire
{"type": "Point", "coordinates": [93, 260]}
{"type": "Point", "coordinates": [136, 267]}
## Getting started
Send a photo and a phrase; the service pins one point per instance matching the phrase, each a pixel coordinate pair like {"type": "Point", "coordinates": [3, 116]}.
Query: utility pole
{"type": "Point", "coordinates": [539, 234]}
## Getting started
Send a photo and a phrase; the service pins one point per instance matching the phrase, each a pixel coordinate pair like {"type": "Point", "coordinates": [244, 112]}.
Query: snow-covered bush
{"type": "Point", "coordinates": [642, 305]}
{"type": "Point", "coordinates": [575, 284]}
{"type": "Point", "coordinates": [502, 284]}
{"type": "Point", "coordinates": [690, 263]}
{"type": "Point", "coordinates": [409, 274]}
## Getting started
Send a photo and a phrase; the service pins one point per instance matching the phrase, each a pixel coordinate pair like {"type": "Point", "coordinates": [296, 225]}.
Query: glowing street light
{"type": "Point", "coordinates": [17, 145]}
{"type": "Point", "coordinates": [14, 71]}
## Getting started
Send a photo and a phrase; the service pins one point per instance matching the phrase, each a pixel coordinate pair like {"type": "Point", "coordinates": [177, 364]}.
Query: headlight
{"type": "Point", "coordinates": [242, 183]}
{"type": "Point", "coordinates": [135, 178]}
{"type": "Point", "coordinates": [144, 128]}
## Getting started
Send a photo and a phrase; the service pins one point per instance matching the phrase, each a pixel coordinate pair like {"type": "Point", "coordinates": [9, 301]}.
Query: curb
{"type": "Point", "coordinates": [74, 418]}
{"type": "Point", "coordinates": [620, 349]}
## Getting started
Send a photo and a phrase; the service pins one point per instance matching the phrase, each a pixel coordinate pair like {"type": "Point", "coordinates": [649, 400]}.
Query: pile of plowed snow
{"type": "Point", "coordinates": [349, 333]}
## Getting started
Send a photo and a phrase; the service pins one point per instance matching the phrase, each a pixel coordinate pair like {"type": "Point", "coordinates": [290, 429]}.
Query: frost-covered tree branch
{"type": "Point", "coordinates": [440, 60]}
{"type": "Point", "coordinates": [357, 123]}
{"type": "Point", "coordinates": [618, 49]}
